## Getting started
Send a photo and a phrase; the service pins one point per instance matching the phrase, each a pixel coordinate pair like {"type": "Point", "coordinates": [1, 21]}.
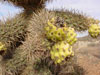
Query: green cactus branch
{"type": "Point", "coordinates": [78, 21]}
{"type": "Point", "coordinates": [13, 32]}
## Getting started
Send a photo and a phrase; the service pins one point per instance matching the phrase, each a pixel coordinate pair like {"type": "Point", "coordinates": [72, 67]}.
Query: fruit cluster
{"type": "Point", "coordinates": [94, 30]}
{"type": "Point", "coordinates": [60, 51]}
{"type": "Point", "coordinates": [60, 34]}
{"type": "Point", "coordinates": [63, 37]}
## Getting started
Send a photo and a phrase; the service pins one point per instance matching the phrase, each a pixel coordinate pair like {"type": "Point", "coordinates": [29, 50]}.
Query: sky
{"type": "Point", "coordinates": [7, 10]}
{"type": "Point", "coordinates": [89, 7]}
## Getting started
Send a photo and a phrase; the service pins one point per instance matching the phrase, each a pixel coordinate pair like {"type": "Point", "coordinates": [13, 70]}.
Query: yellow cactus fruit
{"type": "Point", "coordinates": [59, 34]}
{"type": "Point", "coordinates": [52, 20]}
{"type": "Point", "coordinates": [56, 34]}
{"type": "Point", "coordinates": [94, 30]}
{"type": "Point", "coordinates": [71, 36]}
{"type": "Point", "coordinates": [50, 26]}
{"type": "Point", "coordinates": [65, 25]}
{"type": "Point", "coordinates": [49, 23]}
{"type": "Point", "coordinates": [50, 30]}
{"type": "Point", "coordinates": [60, 51]}
{"type": "Point", "coordinates": [53, 33]}
{"type": "Point", "coordinates": [2, 47]}
{"type": "Point", "coordinates": [65, 29]}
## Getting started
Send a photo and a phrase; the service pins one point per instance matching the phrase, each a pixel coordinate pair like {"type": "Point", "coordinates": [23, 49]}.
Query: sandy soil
{"type": "Point", "coordinates": [88, 55]}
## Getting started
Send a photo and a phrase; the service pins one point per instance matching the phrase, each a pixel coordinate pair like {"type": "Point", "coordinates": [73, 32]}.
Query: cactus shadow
{"type": "Point", "coordinates": [11, 50]}
{"type": "Point", "coordinates": [69, 68]}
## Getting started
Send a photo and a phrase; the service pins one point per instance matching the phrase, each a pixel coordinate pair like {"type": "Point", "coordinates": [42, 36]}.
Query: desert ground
{"type": "Point", "coordinates": [88, 54]}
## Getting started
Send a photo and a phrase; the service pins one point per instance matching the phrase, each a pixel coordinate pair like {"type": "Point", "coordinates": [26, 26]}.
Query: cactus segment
{"type": "Point", "coordinates": [60, 51]}
{"type": "Point", "coordinates": [94, 30]}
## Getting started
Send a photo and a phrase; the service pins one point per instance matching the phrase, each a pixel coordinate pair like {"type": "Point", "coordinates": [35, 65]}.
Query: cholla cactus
{"type": "Point", "coordinates": [60, 51]}
{"type": "Point", "coordinates": [13, 31]}
{"type": "Point", "coordinates": [94, 30]}
{"type": "Point", "coordinates": [60, 30]}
